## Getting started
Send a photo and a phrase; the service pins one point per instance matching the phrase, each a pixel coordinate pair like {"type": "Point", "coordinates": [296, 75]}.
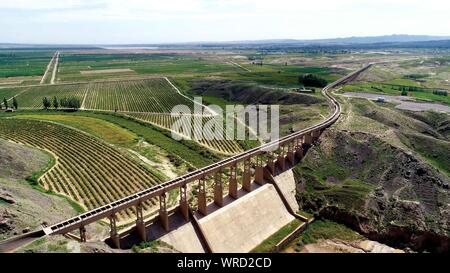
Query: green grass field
{"type": "Point", "coordinates": [155, 64]}
{"type": "Point", "coordinates": [184, 65]}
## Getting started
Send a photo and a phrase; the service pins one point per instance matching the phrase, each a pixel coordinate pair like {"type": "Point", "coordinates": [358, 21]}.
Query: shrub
{"type": "Point", "coordinates": [312, 80]}
{"type": "Point", "coordinates": [440, 92]}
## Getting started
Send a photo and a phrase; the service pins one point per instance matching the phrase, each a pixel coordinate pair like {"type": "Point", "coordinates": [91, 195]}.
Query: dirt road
{"type": "Point", "coordinates": [55, 68]}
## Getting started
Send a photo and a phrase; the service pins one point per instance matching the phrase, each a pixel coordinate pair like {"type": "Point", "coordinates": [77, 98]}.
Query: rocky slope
{"type": "Point", "coordinates": [23, 208]}
{"type": "Point", "coordinates": [379, 190]}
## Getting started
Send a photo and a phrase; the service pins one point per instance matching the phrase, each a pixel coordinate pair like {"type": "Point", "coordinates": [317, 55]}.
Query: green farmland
{"type": "Point", "coordinates": [23, 63]}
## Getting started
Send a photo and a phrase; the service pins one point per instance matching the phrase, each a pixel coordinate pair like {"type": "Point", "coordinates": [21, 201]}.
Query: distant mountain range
{"type": "Point", "coordinates": [395, 40]}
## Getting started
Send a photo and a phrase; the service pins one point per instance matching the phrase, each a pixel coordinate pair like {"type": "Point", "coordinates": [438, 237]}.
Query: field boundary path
{"type": "Point", "coordinates": [49, 66]}
{"type": "Point", "coordinates": [195, 102]}
{"type": "Point", "coordinates": [55, 68]}
{"type": "Point", "coordinates": [240, 66]}
{"type": "Point", "coordinates": [210, 110]}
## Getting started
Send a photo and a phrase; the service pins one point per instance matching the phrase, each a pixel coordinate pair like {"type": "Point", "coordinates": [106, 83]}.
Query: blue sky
{"type": "Point", "coordinates": [151, 21]}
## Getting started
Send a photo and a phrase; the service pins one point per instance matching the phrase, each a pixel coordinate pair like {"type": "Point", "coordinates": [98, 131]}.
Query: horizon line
{"type": "Point", "coordinates": [444, 37]}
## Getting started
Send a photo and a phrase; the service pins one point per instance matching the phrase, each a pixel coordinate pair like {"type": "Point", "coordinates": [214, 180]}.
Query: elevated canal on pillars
{"type": "Point", "coordinates": [256, 167]}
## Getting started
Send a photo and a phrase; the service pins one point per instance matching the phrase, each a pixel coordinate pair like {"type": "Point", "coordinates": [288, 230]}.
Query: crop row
{"type": "Point", "coordinates": [32, 98]}
{"type": "Point", "coordinates": [153, 95]}
{"type": "Point", "coordinates": [149, 100]}
{"type": "Point", "coordinates": [150, 95]}
{"type": "Point", "coordinates": [87, 170]}
{"type": "Point", "coordinates": [197, 128]}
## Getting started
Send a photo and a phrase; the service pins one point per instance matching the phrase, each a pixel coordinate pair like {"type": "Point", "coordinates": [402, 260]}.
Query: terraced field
{"type": "Point", "coordinates": [87, 170]}
{"type": "Point", "coordinates": [166, 121]}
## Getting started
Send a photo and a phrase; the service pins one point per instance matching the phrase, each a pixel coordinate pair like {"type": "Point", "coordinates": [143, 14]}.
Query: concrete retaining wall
{"type": "Point", "coordinates": [286, 183]}
{"type": "Point", "coordinates": [184, 239]}
{"type": "Point", "coordinates": [246, 222]}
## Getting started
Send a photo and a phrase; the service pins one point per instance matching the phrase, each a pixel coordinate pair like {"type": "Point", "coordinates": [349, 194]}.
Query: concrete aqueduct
{"type": "Point", "coordinates": [265, 162]}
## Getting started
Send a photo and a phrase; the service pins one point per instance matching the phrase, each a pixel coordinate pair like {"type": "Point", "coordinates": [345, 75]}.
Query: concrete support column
{"type": "Point", "coordinates": [315, 135]}
{"type": "Point", "coordinates": [307, 139]}
{"type": "Point", "coordinates": [298, 143]}
{"type": "Point", "coordinates": [290, 152]}
{"type": "Point", "coordinates": [114, 235]}
{"type": "Point", "coordinates": [281, 158]}
{"type": "Point", "coordinates": [271, 163]}
{"type": "Point", "coordinates": [184, 207]}
{"type": "Point", "coordinates": [299, 147]}
{"type": "Point", "coordinates": [218, 189]}
{"type": "Point", "coordinates": [83, 234]}
{"type": "Point", "coordinates": [232, 184]}
{"type": "Point", "coordinates": [163, 215]}
{"type": "Point", "coordinates": [247, 176]}
{"type": "Point", "coordinates": [201, 198]}
{"type": "Point", "coordinates": [140, 224]}
{"type": "Point", "coordinates": [259, 171]}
